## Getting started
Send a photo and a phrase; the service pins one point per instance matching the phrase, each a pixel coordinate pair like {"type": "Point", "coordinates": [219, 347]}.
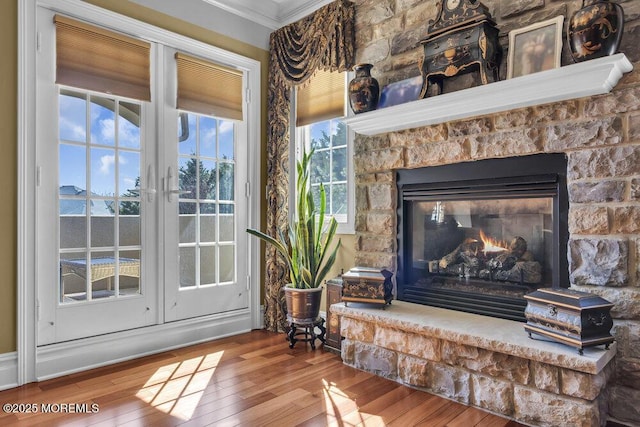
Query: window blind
{"type": "Point", "coordinates": [93, 58]}
{"type": "Point", "coordinates": [208, 88]}
{"type": "Point", "coordinates": [321, 98]}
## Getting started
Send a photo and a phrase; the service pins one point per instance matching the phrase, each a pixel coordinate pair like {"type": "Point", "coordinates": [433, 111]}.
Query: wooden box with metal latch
{"type": "Point", "coordinates": [370, 285]}
{"type": "Point", "coordinates": [578, 319]}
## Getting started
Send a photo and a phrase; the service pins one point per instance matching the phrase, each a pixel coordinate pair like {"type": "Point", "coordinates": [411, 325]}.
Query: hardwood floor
{"type": "Point", "coordinates": [252, 379]}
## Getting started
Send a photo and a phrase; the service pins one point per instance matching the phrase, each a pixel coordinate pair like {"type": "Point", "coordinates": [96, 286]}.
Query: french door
{"type": "Point", "coordinates": [205, 211]}
{"type": "Point", "coordinates": [139, 219]}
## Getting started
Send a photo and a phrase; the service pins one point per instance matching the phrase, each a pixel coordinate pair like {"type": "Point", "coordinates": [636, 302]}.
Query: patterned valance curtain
{"type": "Point", "coordinates": [323, 40]}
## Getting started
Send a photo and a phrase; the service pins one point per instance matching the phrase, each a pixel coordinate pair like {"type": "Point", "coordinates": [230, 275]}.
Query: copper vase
{"type": "Point", "coordinates": [595, 30]}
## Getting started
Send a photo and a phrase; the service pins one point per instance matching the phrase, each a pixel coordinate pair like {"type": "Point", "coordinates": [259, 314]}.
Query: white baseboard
{"type": "Point", "coordinates": [74, 356]}
{"type": "Point", "coordinates": [8, 370]}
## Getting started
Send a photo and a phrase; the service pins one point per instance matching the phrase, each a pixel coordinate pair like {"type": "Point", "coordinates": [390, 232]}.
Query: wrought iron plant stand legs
{"type": "Point", "coordinates": [307, 330]}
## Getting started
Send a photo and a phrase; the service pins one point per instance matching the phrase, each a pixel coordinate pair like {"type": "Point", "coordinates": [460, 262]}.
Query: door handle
{"type": "Point", "coordinates": [151, 183]}
{"type": "Point", "coordinates": [170, 183]}
{"type": "Point", "coordinates": [150, 190]}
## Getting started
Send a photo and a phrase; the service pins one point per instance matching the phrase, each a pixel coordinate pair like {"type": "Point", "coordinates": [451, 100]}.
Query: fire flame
{"type": "Point", "coordinates": [492, 245]}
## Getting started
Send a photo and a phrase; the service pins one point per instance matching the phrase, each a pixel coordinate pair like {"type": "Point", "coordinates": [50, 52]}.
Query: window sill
{"type": "Point", "coordinates": [594, 77]}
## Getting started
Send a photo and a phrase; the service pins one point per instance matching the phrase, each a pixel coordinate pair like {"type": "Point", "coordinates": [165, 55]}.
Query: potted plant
{"type": "Point", "coordinates": [305, 248]}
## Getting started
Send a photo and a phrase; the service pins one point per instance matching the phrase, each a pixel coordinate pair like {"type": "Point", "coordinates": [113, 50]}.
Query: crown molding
{"type": "Point", "coordinates": [272, 14]}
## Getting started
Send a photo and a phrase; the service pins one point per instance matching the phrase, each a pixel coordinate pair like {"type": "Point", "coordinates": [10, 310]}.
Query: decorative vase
{"type": "Point", "coordinates": [303, 305]}
{"type": "Point", "coordinates": [595, 30]}
{"type": "Point", "coordinates": [364, 90]}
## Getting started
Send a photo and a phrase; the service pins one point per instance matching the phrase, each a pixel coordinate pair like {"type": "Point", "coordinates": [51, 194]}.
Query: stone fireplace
{"type": "Point", "coordinates": [600, 137]}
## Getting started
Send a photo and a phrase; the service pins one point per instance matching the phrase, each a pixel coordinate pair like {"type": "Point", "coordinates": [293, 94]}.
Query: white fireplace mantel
{"type": "Point", "coordinates": [587, 78]}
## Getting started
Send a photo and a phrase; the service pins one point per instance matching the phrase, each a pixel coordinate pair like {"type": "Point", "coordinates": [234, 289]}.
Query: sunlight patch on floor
{"type": "Point", "coordinates": [344, 411]}
{"type": "Point", "coordinates": [176, 389]}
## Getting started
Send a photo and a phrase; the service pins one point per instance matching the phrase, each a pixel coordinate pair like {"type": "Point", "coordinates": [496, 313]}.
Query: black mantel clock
{"type": "Point", "coordinates": [461, 39]}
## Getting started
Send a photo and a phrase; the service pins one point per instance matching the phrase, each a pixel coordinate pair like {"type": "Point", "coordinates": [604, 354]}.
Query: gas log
{"type": "Point", "coordinates": [512, 264]}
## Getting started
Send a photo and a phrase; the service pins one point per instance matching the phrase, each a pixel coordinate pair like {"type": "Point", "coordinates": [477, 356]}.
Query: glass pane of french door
{"type": "Point", "coordinates": [205, 204]}
{"type": "Point", "coordinates": [99, 198]}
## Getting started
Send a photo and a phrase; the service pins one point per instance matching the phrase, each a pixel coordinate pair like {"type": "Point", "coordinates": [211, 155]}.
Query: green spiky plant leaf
{"type": "Point", "coordinates": [306, 246]}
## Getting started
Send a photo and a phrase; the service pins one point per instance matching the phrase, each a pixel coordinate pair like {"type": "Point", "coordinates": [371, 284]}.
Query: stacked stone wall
{"type": "Point", "coordinates": [600, 136]}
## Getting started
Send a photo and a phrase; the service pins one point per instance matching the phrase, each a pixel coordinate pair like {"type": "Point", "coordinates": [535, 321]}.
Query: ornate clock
{"type": "Point", "coordinates": [452, 4]}
{"type": "Point", "coordinates": [462, 38]}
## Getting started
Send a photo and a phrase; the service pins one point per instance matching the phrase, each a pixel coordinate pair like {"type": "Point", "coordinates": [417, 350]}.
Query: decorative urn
{"type": "Point", "coordinates": [595, 30]}
{"type": "Point", "coordinates": [364, 90]}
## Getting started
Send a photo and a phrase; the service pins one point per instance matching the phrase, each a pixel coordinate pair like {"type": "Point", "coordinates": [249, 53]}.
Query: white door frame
{"type": "Point", "coordinates": [35, 363]}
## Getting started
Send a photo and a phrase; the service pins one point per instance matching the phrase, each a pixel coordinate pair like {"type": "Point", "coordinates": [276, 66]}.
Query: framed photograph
{"type": "Point", "coordinates": [534, 48]}
{"type": "Point", "coordinates": [400, 92]}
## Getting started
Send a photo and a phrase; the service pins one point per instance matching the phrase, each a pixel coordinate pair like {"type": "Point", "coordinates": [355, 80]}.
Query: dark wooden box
{"type": "Point", "coordinates": [578, 319]}
{"type": "Point", "coordinates": [370, 285]}
{"type": "Point", "coordinates": [334, 295]}
{"type": "Point", "coordinates": [461, 50]}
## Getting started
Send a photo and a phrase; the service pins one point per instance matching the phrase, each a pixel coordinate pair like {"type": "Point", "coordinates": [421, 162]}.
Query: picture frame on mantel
{"type": "Point", "coordinates": [535, 48]}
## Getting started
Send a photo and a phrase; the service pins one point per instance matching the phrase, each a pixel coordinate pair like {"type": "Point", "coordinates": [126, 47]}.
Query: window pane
{"type": "Point", "coordinates": [207, 180]}
{"type": "Point", "coordinates": [339, 164]}
{"type": "Point", "coordinates": [207, 137]}
{"type": "Point", "coordinates": [129, 278]}
{"type": "Point", "coordinates": [129, 125]}
{"type": "Point", "coordinates": [102, 228]}
{"type": "Point", "coordinates": [207, 228]}
{"type": "Point", "coordinates": [227, 264]}
{"type": "Point", "coordinates": [207, 265]}
{"type": "Point", "coordinates": [73, 169]}
{"type": "Point", "coordinates": [187, 264]}
{"type": "Point", "coordinates": [73, 277]}
{"type": "Point", "coordinates": [72, 122]}
{"type": "Point", "coordinates": [188, 177]}
{"type": "Point", "coordinates": [226, 208]}
{"type": "Point", "coordinates": [339, 200]}
{"type": "Point", "coordinates": [320, 135]}
{"type": "Point", "coordinates": [320, 164]}
{"type": "Point", "coordinates": [103, 172]}
{"type": "Point", "coordinates": [73, 228]}
{"type": "Point", "coordinates": [187, 222]}
{"type": "Point", "coordinates": [227, 226]}
{"type": "Point", "coordinates": [129, 225]}
{"type": "Point", "coordinates": [103, 275]}
{"type": "Point", "coordinates": [129, 173]}
{"type": "Point", "coordinates": [226, 181]}
{"type": "Point", "coordinates": [225, 140]}
{"type": "Point", "coordinates": [338, 133]}
{"type": "Point", "coordinates": [103, 122]}
{"type": "Point", "coordinates": [207, 208]}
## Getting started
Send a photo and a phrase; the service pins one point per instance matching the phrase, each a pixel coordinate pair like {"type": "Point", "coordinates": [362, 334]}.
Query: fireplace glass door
{"type": "Point", "coordinates": [480, 245]}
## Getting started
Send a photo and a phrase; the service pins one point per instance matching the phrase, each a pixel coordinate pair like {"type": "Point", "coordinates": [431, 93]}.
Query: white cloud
{"type": "Point", "coordinates": [129, 133]}
{"type": "Point", "coordinates": [106, 162]}
{"type": "Point", "coordinates": [107, 131]}
{"type": "Point", "coordinates": [226, 126]}
{"type": "Point", "coordinates": [70, 127]}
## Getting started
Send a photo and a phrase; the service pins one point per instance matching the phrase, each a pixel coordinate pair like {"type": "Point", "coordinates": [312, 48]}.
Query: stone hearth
{"type": "Point", "coordinates": [478, 360]}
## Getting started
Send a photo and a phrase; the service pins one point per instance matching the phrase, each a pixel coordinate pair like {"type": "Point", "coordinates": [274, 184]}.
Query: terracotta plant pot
{"type": "Point", "coordinates": [595, 30]}
{"type": "Point", "coordinates": [303, 305]}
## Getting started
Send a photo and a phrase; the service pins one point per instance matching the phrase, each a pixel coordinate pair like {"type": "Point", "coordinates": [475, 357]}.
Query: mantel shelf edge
{"type": "Point", "coordinates": [594, 77]}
